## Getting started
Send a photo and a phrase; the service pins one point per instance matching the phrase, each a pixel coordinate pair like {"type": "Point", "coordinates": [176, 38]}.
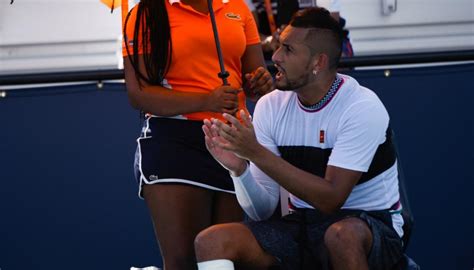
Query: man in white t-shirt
{"type": "Point", "coordinates": [324, 138]}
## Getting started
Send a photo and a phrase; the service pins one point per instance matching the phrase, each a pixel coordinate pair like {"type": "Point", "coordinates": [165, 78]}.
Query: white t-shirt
{"type": "Point", "coordinates": [354, 124]}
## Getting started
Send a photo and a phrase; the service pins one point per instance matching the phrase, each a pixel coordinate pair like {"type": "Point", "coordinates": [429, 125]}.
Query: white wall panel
{"type": "Point", "coordinates": [40, 35]}
{"type": "Point", "coordinates": [416, 25]}
{"type": "Point", "coordinates": [45, 35]}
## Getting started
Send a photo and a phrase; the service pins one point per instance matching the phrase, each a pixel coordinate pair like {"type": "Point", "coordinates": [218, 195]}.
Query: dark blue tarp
{"type": "Point", "coordinates": [68, 197]}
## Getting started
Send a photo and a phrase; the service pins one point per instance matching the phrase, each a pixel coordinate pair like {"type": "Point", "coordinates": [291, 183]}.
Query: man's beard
{"type": "Point", "coordinates": [293, 84]}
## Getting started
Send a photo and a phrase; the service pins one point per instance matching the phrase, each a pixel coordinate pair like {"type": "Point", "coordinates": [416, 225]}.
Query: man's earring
{"type": "Point", "coordinates": [315, 72]}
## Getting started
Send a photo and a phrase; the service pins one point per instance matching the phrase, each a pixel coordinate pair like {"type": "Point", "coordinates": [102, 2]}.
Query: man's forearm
{"type": "Point", "coordinates": [317, 191]}
{"type": "Point", "coordinates": [257, 194]}
{"type": "Point", "coordinates": [240, 170]}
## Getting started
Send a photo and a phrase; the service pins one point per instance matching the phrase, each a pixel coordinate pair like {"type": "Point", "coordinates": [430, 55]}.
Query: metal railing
{"type": "Point", "coordinates": [358, 61]}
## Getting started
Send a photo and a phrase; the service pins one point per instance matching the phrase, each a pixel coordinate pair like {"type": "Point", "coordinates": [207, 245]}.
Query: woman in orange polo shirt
{"type": "Point", "coordinates": [171, 68]}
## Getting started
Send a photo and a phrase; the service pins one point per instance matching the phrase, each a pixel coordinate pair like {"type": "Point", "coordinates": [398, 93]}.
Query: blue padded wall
{"type": "Point", "coordinates": [67, 193]}
{"type": "Point", "coordinates": [68, 197]}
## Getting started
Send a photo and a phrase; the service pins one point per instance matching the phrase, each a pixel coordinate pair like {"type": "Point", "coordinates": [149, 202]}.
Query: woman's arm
{"type": "Point", "coordinates": [164, 102]}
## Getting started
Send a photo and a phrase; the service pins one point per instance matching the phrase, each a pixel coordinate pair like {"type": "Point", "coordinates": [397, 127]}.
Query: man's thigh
{"type": "Point", "coordinates": [386, 245]}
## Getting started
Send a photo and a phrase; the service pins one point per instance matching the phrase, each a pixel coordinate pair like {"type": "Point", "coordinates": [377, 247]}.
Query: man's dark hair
{"type": "Point", "coordinates": [325, 35]}
{"type": "Point", "coordinates": [153, 25]}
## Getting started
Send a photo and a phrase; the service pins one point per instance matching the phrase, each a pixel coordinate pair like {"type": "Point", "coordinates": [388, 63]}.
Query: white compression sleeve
{"type": "Point", "coordinates": [257, 193]}
{"type": "Point", "coordinates": [216, 265]}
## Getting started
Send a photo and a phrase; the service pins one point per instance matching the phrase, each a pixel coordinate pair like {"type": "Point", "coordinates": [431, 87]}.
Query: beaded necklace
{"type": "Point", "coordinates": [325, 100]}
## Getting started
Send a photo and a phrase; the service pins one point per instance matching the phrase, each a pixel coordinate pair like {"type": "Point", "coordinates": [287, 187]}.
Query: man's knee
{"type": "Point", "coordinates": [348, 233]}
{"type": "Point", "coordinates": [219, 242]}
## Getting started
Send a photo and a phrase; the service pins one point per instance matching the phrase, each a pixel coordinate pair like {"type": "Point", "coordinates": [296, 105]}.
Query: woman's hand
{"type": "Point", "coordinates": [224, 99]}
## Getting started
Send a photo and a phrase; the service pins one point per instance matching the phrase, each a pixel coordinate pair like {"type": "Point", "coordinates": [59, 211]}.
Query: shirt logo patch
{"type": "Point", "coordinates": [233, 16]}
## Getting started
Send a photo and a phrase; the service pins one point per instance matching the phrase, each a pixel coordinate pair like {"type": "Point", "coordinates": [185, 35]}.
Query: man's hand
{"type": "Point", "coordinates": [224, 99]}
{"type": "Point", "coordinates": [259, 83]}
{"type": "Point", "coordinates": [235, 165]}
{"type": "Point", "coordinates": [237, 137]}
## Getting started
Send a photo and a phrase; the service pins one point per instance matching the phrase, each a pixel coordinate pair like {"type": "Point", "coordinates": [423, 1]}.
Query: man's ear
{"type": "Point", "coordinates": [320, 62]}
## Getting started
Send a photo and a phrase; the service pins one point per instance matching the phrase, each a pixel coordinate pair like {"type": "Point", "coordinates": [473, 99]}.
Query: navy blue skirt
{"type": "Point", "coordinates": [173, 151]}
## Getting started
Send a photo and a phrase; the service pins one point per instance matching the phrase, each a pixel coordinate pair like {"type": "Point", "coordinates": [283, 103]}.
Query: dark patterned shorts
{"type": "Point", "coordinates": [297, 239]}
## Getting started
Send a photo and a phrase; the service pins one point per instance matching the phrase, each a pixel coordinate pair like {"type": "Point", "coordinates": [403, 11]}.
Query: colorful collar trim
{"type": "Point", "coordinates": [336, 85]}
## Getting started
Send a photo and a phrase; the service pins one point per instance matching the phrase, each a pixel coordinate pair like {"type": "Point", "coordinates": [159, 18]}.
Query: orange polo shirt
{"type": "Point", "coordinates": [194, 63]}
